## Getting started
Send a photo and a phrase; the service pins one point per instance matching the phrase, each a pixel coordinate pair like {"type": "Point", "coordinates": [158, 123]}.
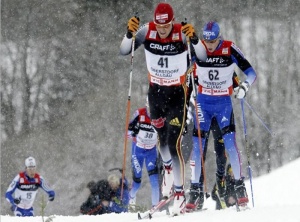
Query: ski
{"type": "Point", "coordinates": [148, 214]}
{"type": "Point", "coordinates": [195, 210]}
{"type": "Point", "coordinates": [192, 211]}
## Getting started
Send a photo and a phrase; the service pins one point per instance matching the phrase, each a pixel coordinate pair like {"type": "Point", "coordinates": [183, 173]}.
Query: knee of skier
{"type": "Point", "coordinates": [153, 171]}
{"type": "Point", "coordinates": [136, 179]}
{"type": "Point", "coordinates": [204, 134]}
{"type": "Point", "coordinates": [228, 129]}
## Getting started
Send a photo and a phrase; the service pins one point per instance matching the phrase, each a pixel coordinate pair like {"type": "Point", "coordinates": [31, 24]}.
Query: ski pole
{"type": "Point", "coordinates": [94, 210]}
{"type": "Point", "coordinates": [260, 119]}
{"type": "Point", "coordinates": [247, 150]}
{"type": "Point", "coordinates": [197, 117]}
{"type": "Point", "coordinates": [127, 115]}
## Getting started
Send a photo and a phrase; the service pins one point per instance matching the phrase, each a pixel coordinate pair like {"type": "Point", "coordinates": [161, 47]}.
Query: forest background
{"type": "Point", "coordinates": [64, 87]}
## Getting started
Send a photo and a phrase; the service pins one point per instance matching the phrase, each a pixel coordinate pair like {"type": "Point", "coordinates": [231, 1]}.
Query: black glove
{"type": "Point", "coordinates": [51, 198]}
{"type": "Point", "coordinates": [17, 200]}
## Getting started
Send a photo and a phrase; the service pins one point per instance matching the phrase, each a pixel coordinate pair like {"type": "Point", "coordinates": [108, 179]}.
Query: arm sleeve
{"type": "Point", "coordinates": [243, 64]}
{"type": "Point", "coordinates": [46, 188]}
{"type": "Point", "coordinates": [11, 189]}
{"type": "Point", "coordinates": [125, 48]}
{"type": "Point", "coordinates": [198, 48]}
{"type": "Point", "coordinates": [133, 127]}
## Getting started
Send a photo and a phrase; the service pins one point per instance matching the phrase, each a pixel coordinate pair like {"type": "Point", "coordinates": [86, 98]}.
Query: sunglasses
{"type": "Point", "coordinates": [163, 26]}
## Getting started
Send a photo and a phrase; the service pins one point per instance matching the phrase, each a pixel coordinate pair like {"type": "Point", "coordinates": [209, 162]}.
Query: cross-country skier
{"type": "Point", "coordinates": [22, 191]}
{"type": "Point", "coordinates": [165, 44]}
{"type": "Point", "coordinates": [213, 100]}
{"type": "Point", "coordinates": [197, 193]}
{"type": "Point", "coordinates": [144, 140]}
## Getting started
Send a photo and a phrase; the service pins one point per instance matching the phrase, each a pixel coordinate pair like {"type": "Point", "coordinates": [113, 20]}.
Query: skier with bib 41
{"type": "Point", "coordinates": [165, 46]}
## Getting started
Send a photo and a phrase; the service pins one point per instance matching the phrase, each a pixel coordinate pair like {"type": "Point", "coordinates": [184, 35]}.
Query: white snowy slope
{"type": "Point", "coordinates": [276, 199]}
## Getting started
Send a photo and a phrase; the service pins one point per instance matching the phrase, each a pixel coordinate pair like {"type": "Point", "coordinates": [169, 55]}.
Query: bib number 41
{"type": "Point", "coordinates": [163, 62]}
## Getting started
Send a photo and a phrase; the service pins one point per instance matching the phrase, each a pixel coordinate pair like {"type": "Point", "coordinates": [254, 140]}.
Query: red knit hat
{"type": "Point", "coordinates": [163, 14]}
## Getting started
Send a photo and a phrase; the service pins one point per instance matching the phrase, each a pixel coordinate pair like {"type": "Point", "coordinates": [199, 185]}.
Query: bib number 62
{"type": "Point", "coordinates": [213, 75]}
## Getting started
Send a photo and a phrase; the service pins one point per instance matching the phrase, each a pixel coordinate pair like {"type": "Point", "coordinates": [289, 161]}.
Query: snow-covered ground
{"type": "Point", "coordinates": [276, 199]}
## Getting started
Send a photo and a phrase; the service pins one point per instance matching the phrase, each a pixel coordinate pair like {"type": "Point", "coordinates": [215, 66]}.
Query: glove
{"type": "Point", "coordinates": [189, 31]}
{"type": "Point", "coordinates": [241, 90]}
{"type": "Point", "coordinates": [133, 24]}
{"type": "Point", "coordinates": [17, 201]}
{"type": "Point", "coordinates": [116, 200]}
{"type": "Point", "coordinates": [51, 198]}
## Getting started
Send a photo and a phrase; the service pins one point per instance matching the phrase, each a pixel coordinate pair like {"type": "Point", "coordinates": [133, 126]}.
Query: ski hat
{"type": "Point", "coordinates": [30, 162]}
{"type": "Point", "coordinates": [163, 14]}
{"type": "Point", "coordinates": [211, 31]}
{"type": "Point", "coordinates": [114, 180]}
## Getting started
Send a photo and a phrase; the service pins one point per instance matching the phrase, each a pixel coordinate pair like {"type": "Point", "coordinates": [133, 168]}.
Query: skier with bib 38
{"type": "Point", "coordinates": [144, 140]}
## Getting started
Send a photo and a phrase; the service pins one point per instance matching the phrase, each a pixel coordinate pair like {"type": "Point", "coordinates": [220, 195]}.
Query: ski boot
{"type": "Point", "coordinates": [179, 203]}
{"type": "Point", "coordinates": [241, 193]}
{"type": "Point", "coordinates": [167, 185]}
{"type": "Point", "coordinates": [194, 198]}
{"type": "Point", "coordinates": [201, 199]}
